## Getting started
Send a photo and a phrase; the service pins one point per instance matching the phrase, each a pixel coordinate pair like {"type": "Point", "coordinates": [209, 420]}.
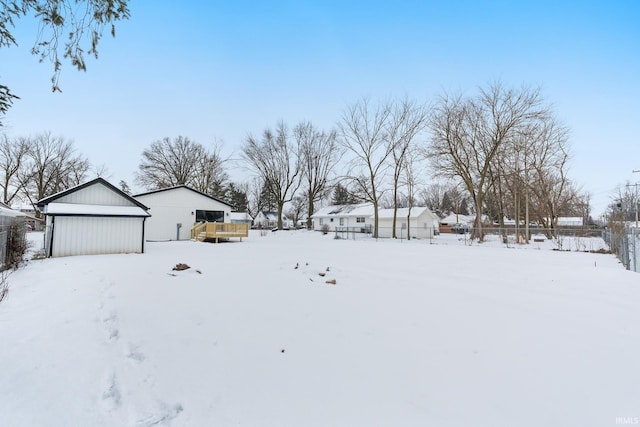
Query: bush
{"type": "Point", "coordinates": [325, 229]}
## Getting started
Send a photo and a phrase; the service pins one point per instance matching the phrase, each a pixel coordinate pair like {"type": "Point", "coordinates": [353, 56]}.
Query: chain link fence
{"type": "Point", "coordinates": [625, 243]}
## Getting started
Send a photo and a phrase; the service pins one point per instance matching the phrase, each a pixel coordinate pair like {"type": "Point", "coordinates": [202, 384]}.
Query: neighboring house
{"type": "Point", "coordinates": [175, 210]}
{"type": "Point", "coordinates": [422, 224]}
{"type": "Point", "coordinates": [447, 222]}
{"type": "Point", "coordinates": [33, 222]}
{"type": "Point", "coordinates": [266, 219]}
{"type": "Point", "coordinates": [570, 221]}
{"type": "Point", "coordinates": [358, 218]}
{"type": "Point", "coordinates": [93, 218]}
{"type": "Point", "coordinates": [241, 218]}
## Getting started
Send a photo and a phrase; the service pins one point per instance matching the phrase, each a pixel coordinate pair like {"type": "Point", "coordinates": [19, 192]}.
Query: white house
{"type": "Point", "coordinates": [358, 218]}
{"type": "Point", "coordinates": [93, 218]}
{"type": "Point", "coordinates": [420, 223]}
{"type": "Point", "coordinates": [266, 219]}
{"type": "Point", "coordinates": [175, 210]}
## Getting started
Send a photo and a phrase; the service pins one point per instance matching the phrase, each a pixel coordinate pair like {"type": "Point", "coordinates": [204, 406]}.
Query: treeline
{"type": "Point", "coordinates": [500, 153]}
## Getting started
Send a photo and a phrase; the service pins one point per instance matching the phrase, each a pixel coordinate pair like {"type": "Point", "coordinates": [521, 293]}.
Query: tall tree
{"type": "Point", "coordinates": [181, 161]}
{"type": "Point", "coordinates": [275, 158]}
{"type": "Point", "coordinates": [468, 135]}
{"type": "Point", "coordinates": [236, 196]}
{"type": "Point", "coordinates": [67, 30]}
{"type": "Point", "coordinates": [363, 134]}
{"type": "Point", "coordinates": [52, 166]}
{"type": "Point", "coordinates": [342, 196]}
{"type": "Point", "coordinates": [13, 155]}
{"type": "Point", "coordinates": [406, 121]}
{"type": "Point", "coordinates": [319, 153]}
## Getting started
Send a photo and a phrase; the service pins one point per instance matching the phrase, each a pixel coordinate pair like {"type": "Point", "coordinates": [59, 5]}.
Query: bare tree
{"type": "Point", "coordinates": [275, 158]}
{"type": "Point", "coordinates": [406, 121]}
{"type": "Point", "coordinates": [52, 166]}
{"type": "Point", "coordinates": [363, 133]}
{"type": "Point", "coordinates": [319, 153]}
{"type": "Point", "coordinates": [181, 161]}
{"type": "Point", "coordinates": [13, 155]}
{"type": "Point", "coordinates": [469, 134]}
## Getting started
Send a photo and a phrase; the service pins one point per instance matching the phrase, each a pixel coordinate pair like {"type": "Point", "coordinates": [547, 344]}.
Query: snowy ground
{"type": "Point", "coordinates": [412, 334]}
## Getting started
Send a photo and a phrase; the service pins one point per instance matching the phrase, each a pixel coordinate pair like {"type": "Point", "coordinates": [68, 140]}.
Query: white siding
{"type": "Point", "coordinates": [421, 227]}
{"type": "Point", "coordinates": [178, 205]}
{"type": "Point", "coordinates": [96, 235]}
{"type": "Point", "coordinates": [96, 194]}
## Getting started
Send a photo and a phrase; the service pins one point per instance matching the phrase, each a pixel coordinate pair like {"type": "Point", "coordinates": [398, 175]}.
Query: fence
{"type": "Point", "coordinates": [12, 240]}
{"type": "Point", "coordinates": [625, 243]}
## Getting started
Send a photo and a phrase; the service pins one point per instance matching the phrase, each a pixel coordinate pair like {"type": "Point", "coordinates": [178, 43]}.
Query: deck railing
{"type": "Point", "coordinates": [219, 230]}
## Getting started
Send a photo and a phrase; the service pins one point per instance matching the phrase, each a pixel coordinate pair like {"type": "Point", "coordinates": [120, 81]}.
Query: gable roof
{"type": "Point", "coordinates": [186, 187]}
{"type": "Point", "coordinates": [362, 209]}
{"type": "Point", "coordinates": [416, 211]}
{"type": "Point", "coordinates": [99, 180]}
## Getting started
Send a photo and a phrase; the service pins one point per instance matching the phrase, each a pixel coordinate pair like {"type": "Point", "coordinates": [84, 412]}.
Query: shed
{"type": "Point", "coordinates": [93, 218]}
{"type": "Point", "coordinates": [175, 210]}
{"type": "Point", "coordinates": [420, 223]}
{"type": "Point", "coordinates": [357, 218]}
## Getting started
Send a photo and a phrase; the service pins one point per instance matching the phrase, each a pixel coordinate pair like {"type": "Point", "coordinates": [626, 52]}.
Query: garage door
{"type": "Point", "coordinates": [96, 235]}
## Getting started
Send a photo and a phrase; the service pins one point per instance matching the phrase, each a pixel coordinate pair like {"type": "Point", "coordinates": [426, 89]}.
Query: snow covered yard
{"type": "Point", "coordinates": [412, 334]}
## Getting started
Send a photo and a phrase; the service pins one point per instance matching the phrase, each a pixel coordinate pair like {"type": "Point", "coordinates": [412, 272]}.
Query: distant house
{"type": "Point", "coordinates": [93, 218]}
{"type": "Point", "coordinates": [420, 223]}
{"type": "Point", "coordinates": [570, 221]}
{"type": "Point", "coordinates": [175, 210]}
{"type": "Point", "coordinates": [447, 222]}
{"type": "Point", "coordinates": [241, 218]}
{"type": "Point", "coordinates": [357, 217]}
{"type": "Point", "coordinates": [268, 219]}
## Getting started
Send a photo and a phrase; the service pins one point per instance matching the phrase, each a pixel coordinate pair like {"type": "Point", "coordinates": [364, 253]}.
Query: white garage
{"type": "Point", "coordinates": [93, 218]}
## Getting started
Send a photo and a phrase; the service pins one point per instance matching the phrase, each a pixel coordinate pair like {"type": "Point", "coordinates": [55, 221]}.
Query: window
{"type": "Point", "coordinates": [209, 216]}
{"type": "Point", "coordinates": [360, 219]}
{"type": "Point", "coordinates": [341, 221]}
{"type": "Point", "coordinates": [320, 221]}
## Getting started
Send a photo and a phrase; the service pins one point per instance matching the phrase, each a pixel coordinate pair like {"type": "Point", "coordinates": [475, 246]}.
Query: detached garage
{"type": "Point", "coordinates": [93, 218]}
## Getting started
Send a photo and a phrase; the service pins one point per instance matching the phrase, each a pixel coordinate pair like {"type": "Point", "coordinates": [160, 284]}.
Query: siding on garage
{"type": "Point", "coordinates": [96, 235]}
{"type": "Point", "coordinates": [95, 195]}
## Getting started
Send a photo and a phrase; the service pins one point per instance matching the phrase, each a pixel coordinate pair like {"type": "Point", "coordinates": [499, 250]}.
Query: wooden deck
{"type": "Point", "coordinates": [218, 230]}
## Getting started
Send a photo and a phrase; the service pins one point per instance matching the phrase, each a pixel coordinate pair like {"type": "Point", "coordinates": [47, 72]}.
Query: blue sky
{"type": "Point", "coordinates": [214, 70]}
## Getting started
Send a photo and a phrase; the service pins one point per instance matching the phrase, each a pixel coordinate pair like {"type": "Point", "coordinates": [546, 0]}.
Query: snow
{"type": "Point", "coordinates": [412, 334]}
{"type": "Point", "coordinates": [86, 209]}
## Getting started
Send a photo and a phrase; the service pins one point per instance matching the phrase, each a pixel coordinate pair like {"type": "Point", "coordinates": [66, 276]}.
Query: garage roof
{"type": "Point", "coordinates": [75, 209]}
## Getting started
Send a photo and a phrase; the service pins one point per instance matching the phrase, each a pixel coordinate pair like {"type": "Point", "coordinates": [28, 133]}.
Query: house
{"type": "Point", "coordinates": [175, 210]}
{"type": "Point", "coordinates": [93, 218]}
{"type": "Point", "coordinates": [268, 219]}
{"type": "Point", "coordinates": [452, 219]}
{"type": "Point", "coordinates": [419, 223]}
{"type": "Point", "coordinates": [570, 221]}
{"type": "Point", "coordinates": [357, 217]}
{"type": "Point", "coordinates": [241, 218]}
